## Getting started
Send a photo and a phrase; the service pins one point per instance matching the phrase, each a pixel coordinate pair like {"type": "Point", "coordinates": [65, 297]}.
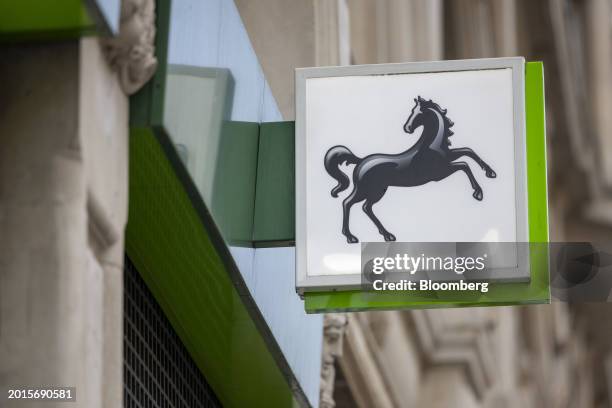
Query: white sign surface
{"type": "Point", "coordinates": [424, 152]}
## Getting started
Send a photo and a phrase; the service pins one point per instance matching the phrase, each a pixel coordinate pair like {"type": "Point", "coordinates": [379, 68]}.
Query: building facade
{"type": "Point", "coordinates": [138, 299]}
{"type": "Point", "coordinates": [130, 269]}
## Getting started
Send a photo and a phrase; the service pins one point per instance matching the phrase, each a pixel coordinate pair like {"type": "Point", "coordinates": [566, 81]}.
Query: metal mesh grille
{"type": "Point", "coordinates": [158, 371]}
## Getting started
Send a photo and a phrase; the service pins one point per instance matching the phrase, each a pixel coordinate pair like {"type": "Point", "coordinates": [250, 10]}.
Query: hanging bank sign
{"type": "Point", "coordinates": [417, 178]}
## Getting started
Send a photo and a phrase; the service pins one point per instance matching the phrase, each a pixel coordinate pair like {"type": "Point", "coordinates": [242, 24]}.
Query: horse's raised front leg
{"type": "Point", "coordinates": [346, 213]}
{"type": "Point", "coordinates": [463, 166]}
{"type": "Point", "coordinates": [466, 151]}
{"type": "Point", "coordinates": [367, 208]}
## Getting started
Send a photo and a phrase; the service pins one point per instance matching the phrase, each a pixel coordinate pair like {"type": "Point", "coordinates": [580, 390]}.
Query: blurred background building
{"type": "Point", "coordinates": [75, 311]}
{"type": "Point", "coordinates": [536, 356]}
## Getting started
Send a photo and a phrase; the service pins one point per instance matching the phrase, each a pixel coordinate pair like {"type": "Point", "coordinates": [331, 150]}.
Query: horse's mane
{"type": "Point", "coordinates": [447, 122]}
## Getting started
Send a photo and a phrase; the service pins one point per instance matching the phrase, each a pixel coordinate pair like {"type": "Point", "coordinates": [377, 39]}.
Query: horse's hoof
{"type": "Point", "coordinates": [351, 239]}
{"type": "Point", "coordinates": [389, 237]}
{"type": "Point", "coordinates": [490, 173]}
{"type": "Point", "coordinates": [477, 194]}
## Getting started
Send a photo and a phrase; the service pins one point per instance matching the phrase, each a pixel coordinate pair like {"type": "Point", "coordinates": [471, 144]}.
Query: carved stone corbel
{"type": "Point", "coordinates": [132, 52]}
{"type": "Point", "coordinates": [334, 328]}
{"type": "Point", "coordinates": [459, 337]}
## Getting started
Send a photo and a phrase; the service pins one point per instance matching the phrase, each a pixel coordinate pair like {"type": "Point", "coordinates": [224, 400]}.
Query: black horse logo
{"type": "Point", "coordinates": [429, 159]}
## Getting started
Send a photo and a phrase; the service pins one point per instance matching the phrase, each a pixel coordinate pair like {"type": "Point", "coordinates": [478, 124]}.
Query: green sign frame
{"type": "Point", "coordinates": [45, 20]}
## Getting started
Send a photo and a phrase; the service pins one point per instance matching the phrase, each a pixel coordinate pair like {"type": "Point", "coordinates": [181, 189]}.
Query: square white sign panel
{"type": "Point", "coordinates": [415, 152]}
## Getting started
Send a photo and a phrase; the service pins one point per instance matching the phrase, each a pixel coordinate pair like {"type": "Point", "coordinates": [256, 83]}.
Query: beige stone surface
{"type": "Point", "coordinates": [103, 127]}
{"type": "Point", "coordinates": [44, 225]}
{"type": "Point", "coordinates": [63, 140]}
{"type": "Point", "coordinates": [283, 35]}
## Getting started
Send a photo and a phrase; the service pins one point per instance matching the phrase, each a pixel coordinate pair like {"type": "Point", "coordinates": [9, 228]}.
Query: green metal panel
{"type": "Point", "coordinates": [275, 199]}
{"type": "Point", "coordinates": [233, 196]}
{"type": "Point", "coordinates": [27, 20]}
{"type": "Point", "coordinates": [174, 244]}
{"type": "Point", "coordinates": [147, 105]}
{"type": "Point", "coordinates": [535, 291]}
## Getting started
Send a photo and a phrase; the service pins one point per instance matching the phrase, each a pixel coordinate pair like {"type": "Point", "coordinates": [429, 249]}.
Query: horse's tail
{"type": "Point", "coordinates": [333, 159]}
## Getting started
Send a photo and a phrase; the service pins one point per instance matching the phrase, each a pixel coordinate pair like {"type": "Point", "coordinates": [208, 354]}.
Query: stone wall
{"type": "Point", "coordinates": [63, 207]}
{"type": "Point", "coordinates": [63, 132]}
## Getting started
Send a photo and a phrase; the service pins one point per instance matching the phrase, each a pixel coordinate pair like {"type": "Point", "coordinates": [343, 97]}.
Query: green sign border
{"type": "Point", "coordinates": [535, 291]}
{"type": "Point", "coordinates": [46, 20]}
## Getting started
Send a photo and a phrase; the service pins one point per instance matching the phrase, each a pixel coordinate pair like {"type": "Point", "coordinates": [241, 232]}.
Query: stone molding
{"type": "Point", "coordinates": [334, 327]}
{"type": "Point", "coordinates": [445, 338]}
{"type": "Point", "coordinates": [459, 337]}
{"type": "Point", "coordinates": [132, 52]}
{"type": "Point", "coordinates": [331, 32]}
{"type": "Point", "coordinates": [102, 231]}
{"type": "Point", "coordinates": [361, 365]}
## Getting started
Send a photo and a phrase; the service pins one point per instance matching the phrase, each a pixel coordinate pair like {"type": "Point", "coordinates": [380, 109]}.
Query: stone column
{"type": "Point", "coordinates": [332, 39]}
{"type": "Point", "coordinates": [109, 74]}
{"type": "Point", "coordinates": [471, 29]}
{"type": "Point", "coordinates": [364, 33]}
{"type": "Point", "coordinates": [50, 291]}
{"type": "Point", "coordinates": [505, 28]}
{"type": "Point", "coordinates": [598, 42]}
{"type": "Point", "coordinates": [428, 30]}
{"type": "Point", "coordinates": [396, 30]}
{"type": "Point", "coordinates": [63, 208]}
